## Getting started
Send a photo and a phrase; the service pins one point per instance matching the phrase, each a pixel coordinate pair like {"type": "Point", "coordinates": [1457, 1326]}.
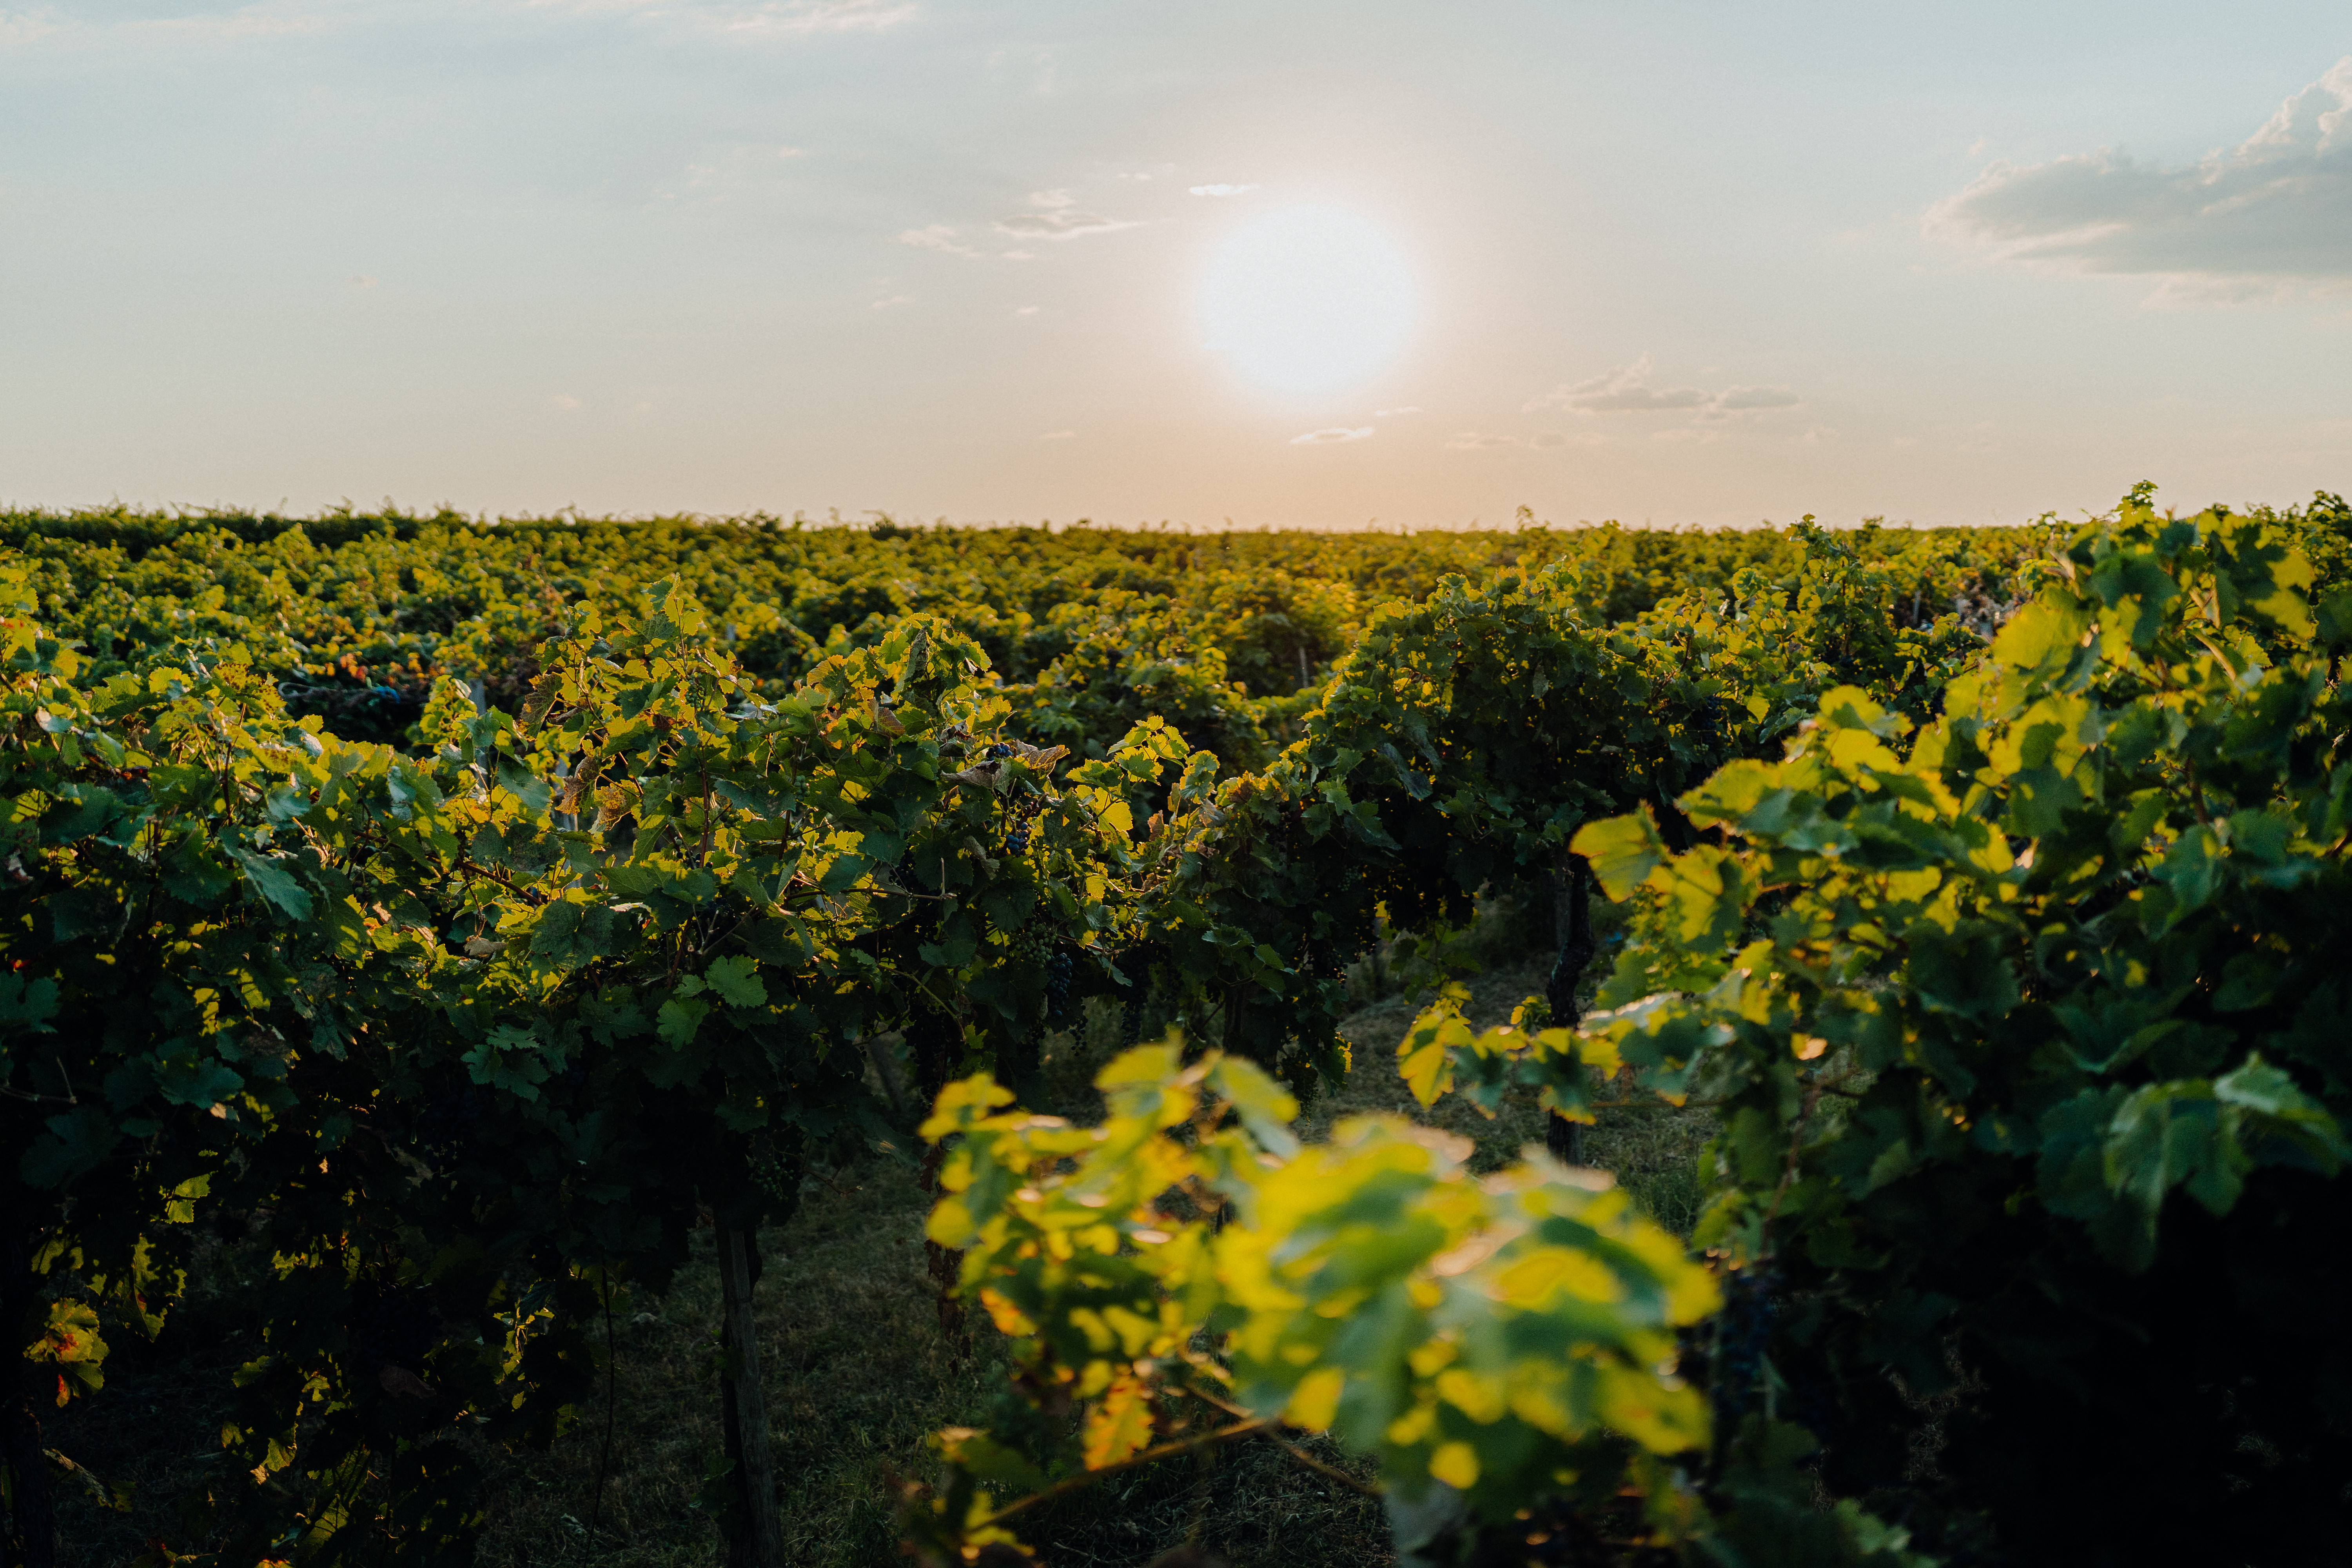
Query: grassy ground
{"type": "Point", "coordinates": [860, 1373]}
{"type": "Point", "coordinates": [157, 1423]}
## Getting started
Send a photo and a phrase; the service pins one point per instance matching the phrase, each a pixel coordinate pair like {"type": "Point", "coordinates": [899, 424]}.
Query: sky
{"type": "Point", "coordinates": [1289, 263]}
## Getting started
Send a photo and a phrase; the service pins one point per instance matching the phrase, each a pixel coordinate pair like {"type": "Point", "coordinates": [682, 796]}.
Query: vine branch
{"type": "Point", "coordinates": [1148, 1456]}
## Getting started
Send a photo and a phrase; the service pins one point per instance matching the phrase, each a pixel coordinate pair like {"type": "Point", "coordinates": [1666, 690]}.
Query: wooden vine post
{"type": "Point", "coordinates": [761, 1541]}
{"type": "Point", "coordinates": [1572, 928]}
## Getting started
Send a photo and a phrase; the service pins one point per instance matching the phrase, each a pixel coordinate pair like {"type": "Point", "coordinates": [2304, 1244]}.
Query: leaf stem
{"type": "Point", "coordinates": [612, 1398]}
{"type": "Point", "coordinates": [1331, 1472]}
{"type": "Point", "coordinates": [1148, 1456]}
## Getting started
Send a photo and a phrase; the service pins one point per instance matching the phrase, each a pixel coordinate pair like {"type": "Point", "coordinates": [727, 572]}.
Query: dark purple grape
{"type": "Point", "coordinates": [1059, 967]}
{"type": "Point", "coordinates": [1743, 1336]}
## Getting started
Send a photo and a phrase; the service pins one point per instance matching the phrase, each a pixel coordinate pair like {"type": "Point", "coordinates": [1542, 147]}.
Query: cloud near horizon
{"type": "Point", "coordinates": [1627, 390]}
{"type": "Point", "coordinates": [2274, 210]}
{"type": "Point", "coordinates": [1331, 435]}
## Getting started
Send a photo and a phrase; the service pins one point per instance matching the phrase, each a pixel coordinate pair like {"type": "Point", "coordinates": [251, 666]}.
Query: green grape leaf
{"type": "Point", "coordinates": [509, 1058]}
{"type": "Point", "coordinates": [201, 1081]}
{"type": "Point", "coordinates": [27, 1005]}
{"type": "Point", "coordinates": [532, 791]}
{"type": "Point", "coordinates": [1623, 851]}
{"type": "Point", "coordinates": [736, 981]}
{"type": "Point", "coordinates": [678, 1019]}
{"type": "Point", "coordinates": [73, 1145]}
{"type": "Point", "coordinates": [269, 877]}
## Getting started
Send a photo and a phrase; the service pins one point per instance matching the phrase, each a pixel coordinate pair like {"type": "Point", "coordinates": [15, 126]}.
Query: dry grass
{"type": "Point", "coordinates": [858, 1374]}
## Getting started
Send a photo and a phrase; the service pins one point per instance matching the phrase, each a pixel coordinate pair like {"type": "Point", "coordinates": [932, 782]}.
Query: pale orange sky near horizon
{"type": "Point", "coordinates": [1667, 265]}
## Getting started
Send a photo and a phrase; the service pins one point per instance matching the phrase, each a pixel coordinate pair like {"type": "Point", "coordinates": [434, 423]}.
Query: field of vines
{"type": "Point", "coordinates": [673, 1041]}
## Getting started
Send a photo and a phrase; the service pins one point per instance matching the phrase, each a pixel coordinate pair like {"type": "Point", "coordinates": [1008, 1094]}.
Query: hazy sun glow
{"type": "Point", "coordinates": [1308, 300]}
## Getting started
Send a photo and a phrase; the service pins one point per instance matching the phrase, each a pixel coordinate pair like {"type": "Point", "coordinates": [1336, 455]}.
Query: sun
{"type": "Point", "coordinates": [1308, 300]}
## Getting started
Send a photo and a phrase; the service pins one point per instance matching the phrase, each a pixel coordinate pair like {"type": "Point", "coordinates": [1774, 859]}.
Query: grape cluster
{"type": "Point", "coordinates": [392, 1326]}
{"type": "Point", "coordinates": [777, 1161]}
{"type": "Point", "coordinates": [1059, 967]}
{"type": "Point", "coordinates": [1743, 1335]}
{"type": "Point", "coordinates": [1020, 812]}
{"type": "Point", "coordinates": [998, 752]}
{"type": "Point", "coordinates": [1137, 978]}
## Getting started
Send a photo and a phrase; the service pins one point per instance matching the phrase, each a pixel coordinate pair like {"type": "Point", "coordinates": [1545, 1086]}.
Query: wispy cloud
{"type": "Point", "coordinates": [2274, 210]}
{"type": "Point", "coordinates": [1753, 399]}
{"type": "Point", "coordinates": [793, 17]}
{"type": "Point", "coordinates": [1055, 215]}
{"type": "Point", "coordinates": [252, 22]}
{"type": "Point", "coordinates": [936, 236]}
{"type": "Point", "coordinates": [564, 400]}
{"type": "Point", "coordinates": [1473, 441]}
{"type": "Point", "coordinates": [1624, 390]}
{"type": "Point", "coordinates": [1059, 436]}
{"type": "Point", "coordinates": [1219, 190]}
{"type": "Point", "coordinates": [1628, 390]}
{"type": "Point", "coordinates": [1333, 435]}
{"type": "Point", "coordinates": [361, 280]}
{"type": "Point", "coordinates": [1393, 413]}
{"type": "Point", "coordinates": [777, 18]}
{"type": "Point", "coordinates": [729, 172]}
{"type": "Point", "coordinates": [886, 302]}
{"type": "Point", "coordinates": [30, 26]}
{"type": "Point", "coordinates": [276, 19]}
{"type": "Point", "coordinates": [1059, 225]}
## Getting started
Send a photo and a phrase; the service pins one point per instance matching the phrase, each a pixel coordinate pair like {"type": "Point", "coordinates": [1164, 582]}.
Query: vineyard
{"type": "Point", "coordinates": [649, 1042]}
